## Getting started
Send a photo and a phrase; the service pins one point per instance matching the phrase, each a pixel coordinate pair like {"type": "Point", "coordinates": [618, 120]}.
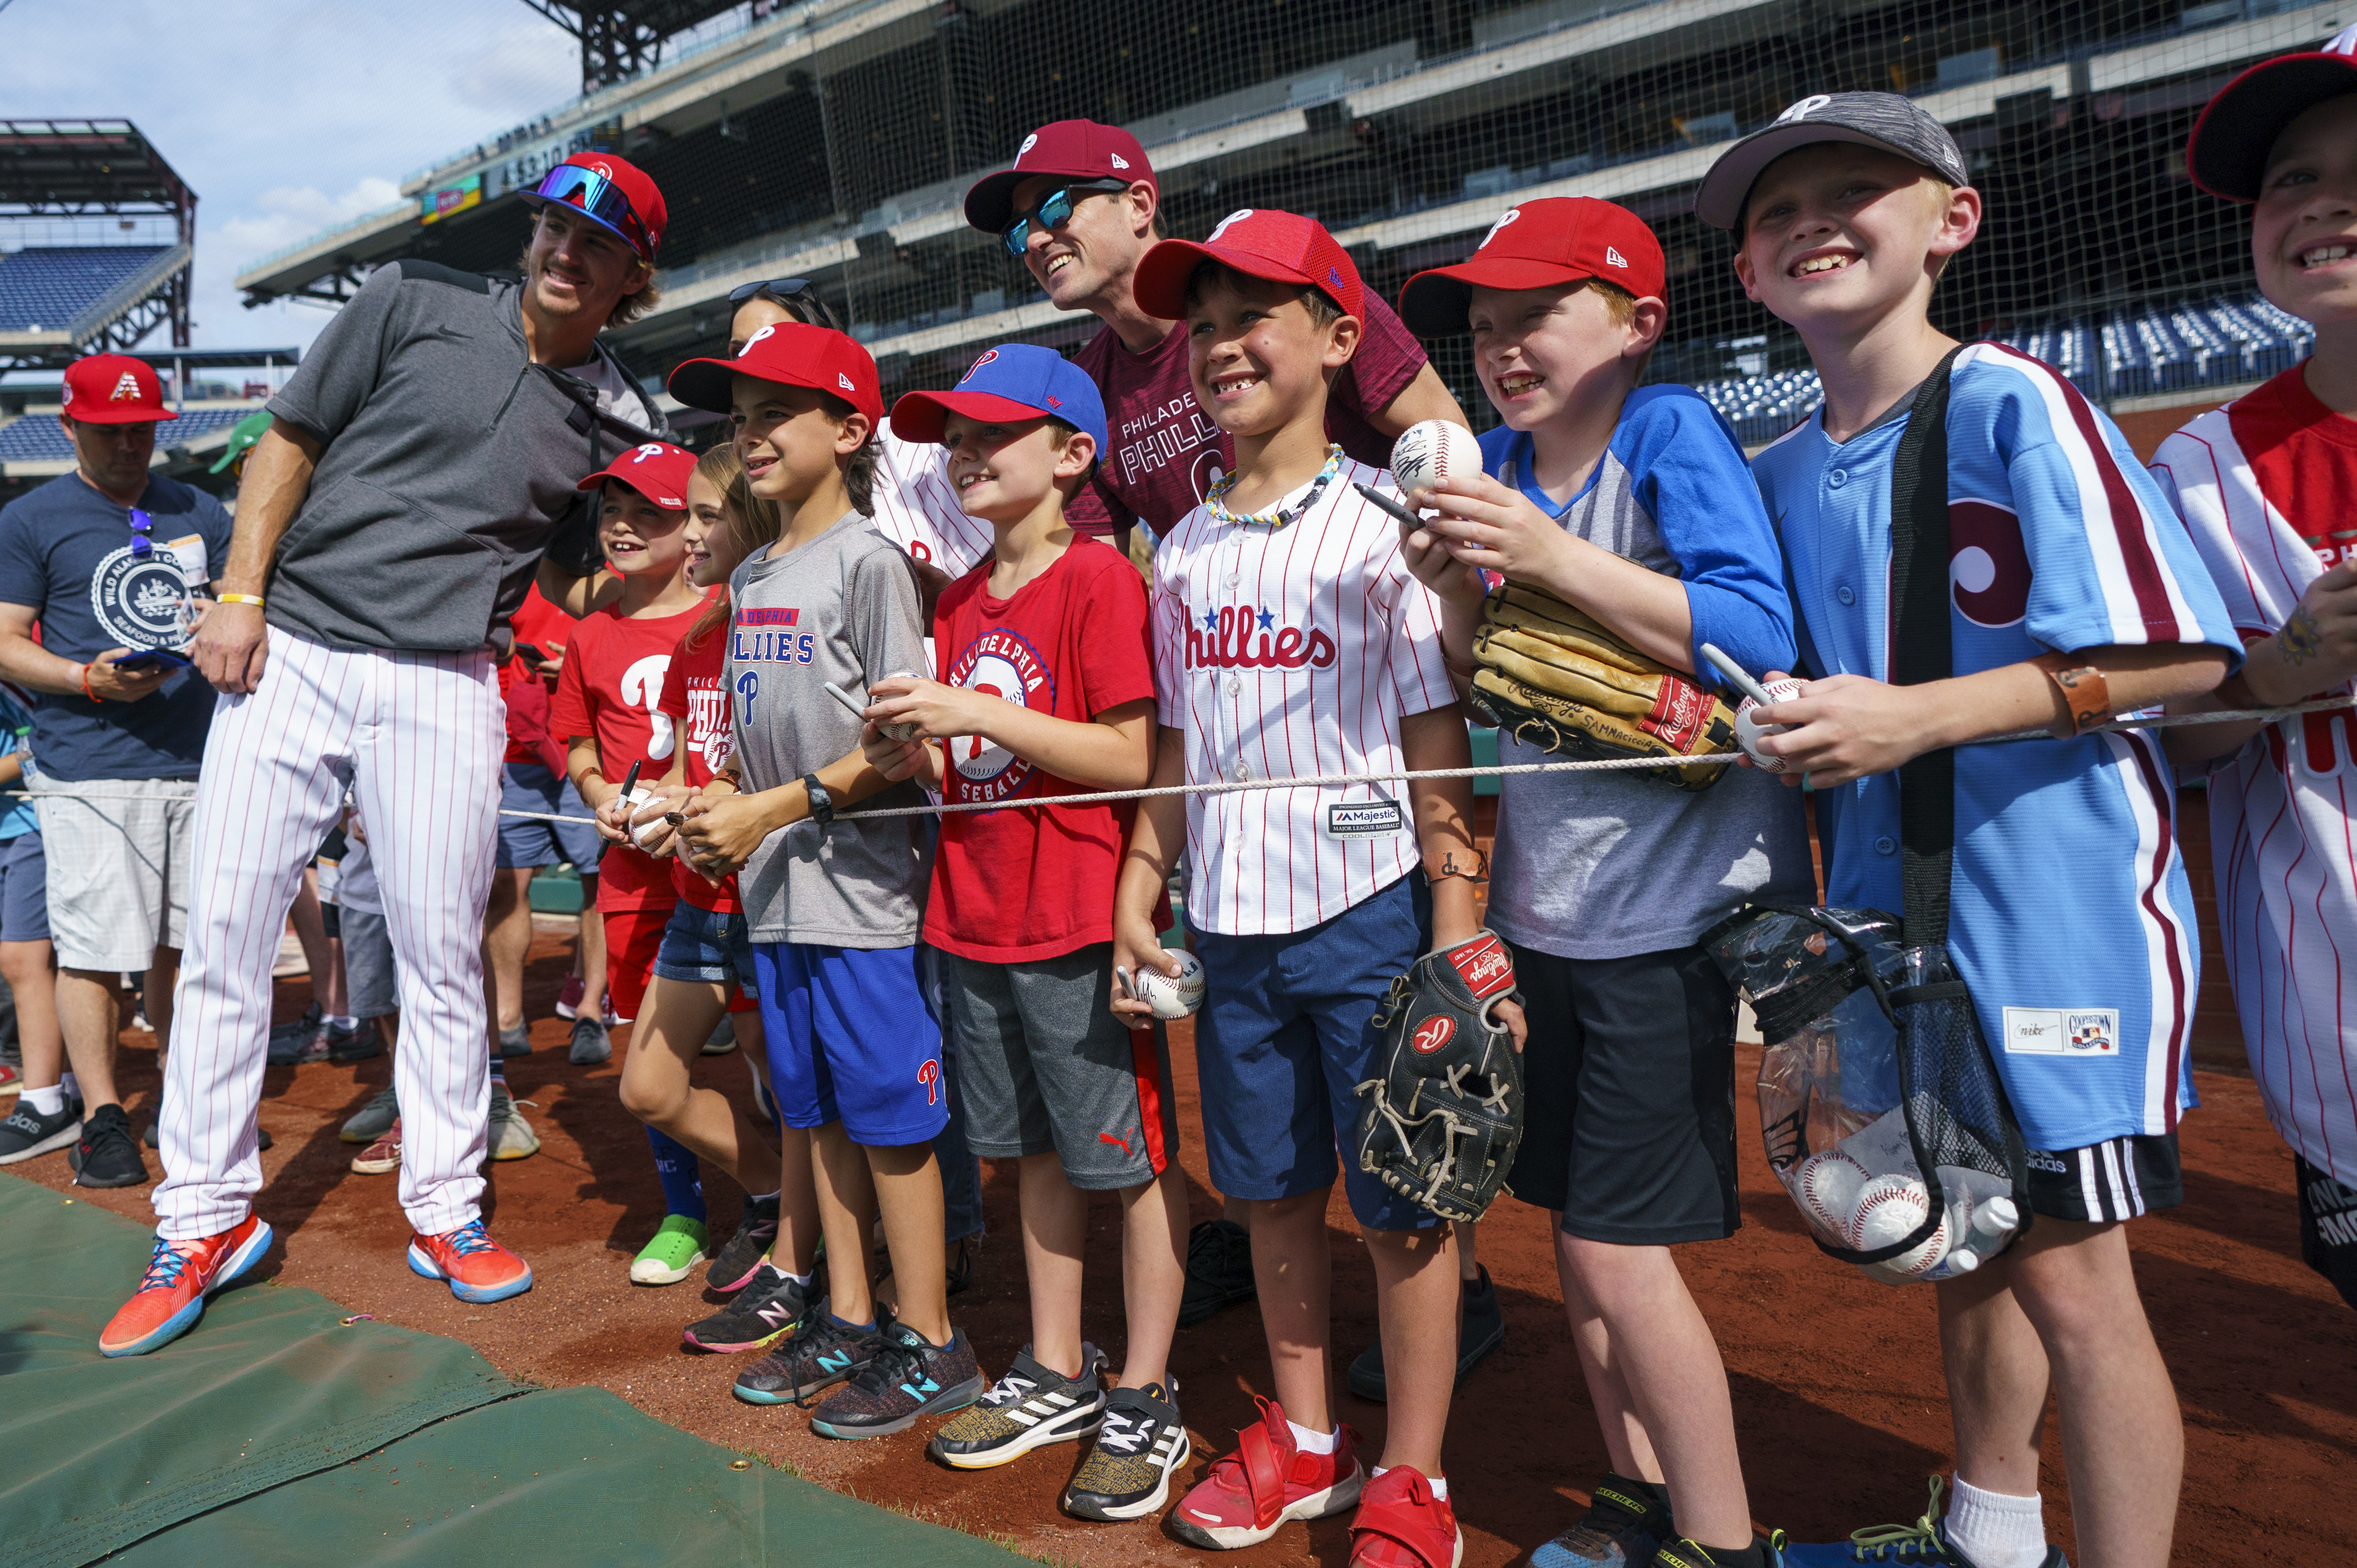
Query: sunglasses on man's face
{"type": "Point", "coordinates": [1055, 210]}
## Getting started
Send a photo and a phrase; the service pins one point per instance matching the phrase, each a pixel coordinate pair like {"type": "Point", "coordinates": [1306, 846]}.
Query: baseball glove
{"type": "Point", "coordinates": [1552, 678]}
{"type": "Point", "coordinates": [1442, 1123]}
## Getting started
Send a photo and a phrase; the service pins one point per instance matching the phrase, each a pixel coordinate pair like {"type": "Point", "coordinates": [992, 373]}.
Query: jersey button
{"type": "Point", "coordinates": [1837, 478]}
{"type": "Point", "coordinates": [1242, 772]}
{"type": "Point", "coordinates": [1846, 594]}
{"type": "Point", "coordinates": [1885, 845]}
{"type": "Point", "coordinates": [1235, 682]}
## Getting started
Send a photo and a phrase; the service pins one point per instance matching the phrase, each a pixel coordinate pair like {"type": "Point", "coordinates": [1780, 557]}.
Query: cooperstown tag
{"type": "Point", "coordinates": [1375, 818]}
{"type": "Point", "coordinates": [2062, 1031]}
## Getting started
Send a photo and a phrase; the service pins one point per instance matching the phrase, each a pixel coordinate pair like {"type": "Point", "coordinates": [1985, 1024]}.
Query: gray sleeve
{"type": "Point", "coordinates": [882, 615]}
{"type": "Point", "coordinates": [339, 372]}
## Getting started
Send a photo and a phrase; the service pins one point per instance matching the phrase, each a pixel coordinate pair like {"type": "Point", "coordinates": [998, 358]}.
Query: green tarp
{"type": "Point", "coordinates": [275, 1435]}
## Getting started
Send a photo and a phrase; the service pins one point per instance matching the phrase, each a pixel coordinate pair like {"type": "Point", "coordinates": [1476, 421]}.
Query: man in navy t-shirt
{"type": "Point", "coordinates": [100, 571]}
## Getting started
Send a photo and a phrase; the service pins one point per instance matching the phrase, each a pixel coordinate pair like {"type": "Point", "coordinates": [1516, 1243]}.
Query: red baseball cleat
{"type": "Point", "coordinates": [478, 1268]}
{"type": "Point", "coordinates": [181, 1274]}
{"type": "Point", "coordinates": [1401, 1524]}
{"type": "Point", "coordinates": [1250, 1493]}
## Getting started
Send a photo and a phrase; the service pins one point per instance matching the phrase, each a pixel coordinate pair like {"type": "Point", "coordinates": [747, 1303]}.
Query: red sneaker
{"type": "Point", "coordinates": [181, 1274]}
{"type": "Point", "coordinates": [478, 1268]}
{"type": "Point", "coordinates": [1265, 1482]}
{"type": "Point", "coordinates": [1401, 1524]}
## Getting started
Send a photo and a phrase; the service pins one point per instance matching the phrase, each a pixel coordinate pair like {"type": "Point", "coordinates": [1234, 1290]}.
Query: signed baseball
{"type": "Point", "coordinates": [1172, 998]}
{"type": "Point", "coordinates": [1435, 450]}
{"type": "Point", "coordinates": [648, 834]}
{"type": "Point", "coordinates": [896, 732]}
{"type": "Point", "coordinates": [1747, 730]}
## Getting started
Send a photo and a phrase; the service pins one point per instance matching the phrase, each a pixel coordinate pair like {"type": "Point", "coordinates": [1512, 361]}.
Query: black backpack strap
{"type": "Point", "coordinates": [1922, 651]}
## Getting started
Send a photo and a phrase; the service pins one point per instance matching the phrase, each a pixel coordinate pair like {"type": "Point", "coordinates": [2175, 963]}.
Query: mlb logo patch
{"type": "Point", "coordinates": [2093, 1034]}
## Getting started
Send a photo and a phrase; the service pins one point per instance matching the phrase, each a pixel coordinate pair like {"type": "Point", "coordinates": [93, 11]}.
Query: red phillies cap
{"type": "Point", "coordinates": [614, 193]}
{"type": "Point", "coordinates": [657, 470]}
{"type": "Point", "coordinates": [793, 354]}
{"type": "Point", "coordinates": [113, 388]}
{"type": "Point", "coordinates": [1261, 242]}
{"type": "Point", "coordinates": [2227, 154]}
{"type": "Point", "coordinates": [1540, 244]}
{"type": "Point", "coordinates": [1081, 149]}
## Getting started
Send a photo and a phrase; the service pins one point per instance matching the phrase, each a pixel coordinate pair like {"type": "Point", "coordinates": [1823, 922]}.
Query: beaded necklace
{"type": "Point", "coordinates": [1283, 517]}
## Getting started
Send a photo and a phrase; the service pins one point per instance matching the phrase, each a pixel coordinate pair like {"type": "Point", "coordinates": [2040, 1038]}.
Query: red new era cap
{"type": "Point", "coordinates": [613, 193]}
{"type": "Point", "coordinates": [1260, 242]}
{"type": "Point", "coordinates": [657, 470]}
{"type": "Point", "coordinates": [1539, 244]}
{"type": "Point", "coordinates": [793, 354]}
{"type": "Point", "coordinates": [113, 388]}
{"type": "Point", "coordinates": [2227, 154]}
{"type": "Point", "coordinates": [1080, 150]}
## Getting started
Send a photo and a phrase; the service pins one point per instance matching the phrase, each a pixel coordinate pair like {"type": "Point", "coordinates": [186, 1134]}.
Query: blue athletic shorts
{"type": "Point", "coordinates": [1285, 1037]}
{"type": "Point", "coordinates": [529, 787]}
{"type": "Point", "coordinates": [702, 944]}
{"type": "Point", "coordinates": [24, 890]}
{"type": "Point", "coordinates": [852, 1038]}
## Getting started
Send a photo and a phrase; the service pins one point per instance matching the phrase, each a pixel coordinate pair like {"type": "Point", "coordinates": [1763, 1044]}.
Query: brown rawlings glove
{"type": "Point", "coordinates": [1552, 678]}
{"type": "Point", "coordinates": [1442, 1123]}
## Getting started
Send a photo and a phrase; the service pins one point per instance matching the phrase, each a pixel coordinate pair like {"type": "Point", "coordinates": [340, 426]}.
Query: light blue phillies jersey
{"type": "Point", "coordinates": [2070, 918]}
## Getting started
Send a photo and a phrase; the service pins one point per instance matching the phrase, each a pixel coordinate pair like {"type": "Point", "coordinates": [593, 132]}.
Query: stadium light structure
{"type": "Point", "coordinates": [79, 167]}
{"type": "Point", "coordinates": [619, 41]}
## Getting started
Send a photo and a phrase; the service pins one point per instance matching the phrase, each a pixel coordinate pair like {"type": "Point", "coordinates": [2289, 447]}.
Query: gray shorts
{"type": "Point", "coordinates": [1045, 1067]}
{"type": "Point", "coordinates": [118, 869]}
{"type": "Point", "coordinates": [371, 981]}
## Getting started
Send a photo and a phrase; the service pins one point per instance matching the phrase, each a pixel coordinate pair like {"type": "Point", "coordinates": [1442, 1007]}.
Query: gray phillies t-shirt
{"type": "Point", "coordinates": [843, 607]}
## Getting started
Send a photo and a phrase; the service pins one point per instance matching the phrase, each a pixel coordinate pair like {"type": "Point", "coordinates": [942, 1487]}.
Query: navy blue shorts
{"type": "Point", "coordinates": [1285, 1037]}
{"type": "Point", "coordinates": [24, 890]}
{"type": "Point", "coordinates": [529, 787]}
{"type": "Point", "coordinates": [704, 944]}
{"type": "Point", "coordinates": [852, 1038]}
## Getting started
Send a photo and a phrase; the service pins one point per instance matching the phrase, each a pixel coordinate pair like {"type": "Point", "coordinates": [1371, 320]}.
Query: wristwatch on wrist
{"type": "Point", "coordinates": [821, 804]}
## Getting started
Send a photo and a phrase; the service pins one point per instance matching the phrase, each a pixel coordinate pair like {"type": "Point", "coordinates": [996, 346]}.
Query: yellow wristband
{"type": "Point", "coordinates": [254, 599]}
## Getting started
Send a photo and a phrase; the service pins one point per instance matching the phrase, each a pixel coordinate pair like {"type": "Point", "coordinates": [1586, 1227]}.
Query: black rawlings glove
{"type": "Point", "coordinates": [1442, 1123]}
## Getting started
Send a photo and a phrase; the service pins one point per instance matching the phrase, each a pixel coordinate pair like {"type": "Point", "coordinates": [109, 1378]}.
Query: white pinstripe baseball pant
{"type": "Point", "coordinates": [418, 737]}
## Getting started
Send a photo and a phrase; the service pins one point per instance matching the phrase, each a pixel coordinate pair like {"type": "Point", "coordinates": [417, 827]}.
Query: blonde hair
{"type": "Point", "coordinates": [750, 524]}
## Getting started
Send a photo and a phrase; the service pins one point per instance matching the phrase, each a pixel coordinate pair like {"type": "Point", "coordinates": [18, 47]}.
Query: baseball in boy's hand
{"type": "Point", "coordinates": [1431, 451]}
{"type": "Point", "coordinates": [1747, 729]}
{"type": "Point", "coordinates": [1169, 997]}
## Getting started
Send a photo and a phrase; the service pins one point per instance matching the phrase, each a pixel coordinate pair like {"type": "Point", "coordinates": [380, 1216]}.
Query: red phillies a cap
{"type": "Point", "coordinates": [113, 388]}
{"type": "Point", "coordinates": [1261, 242]}
{"type": "Point", "coordinates": [657, 470]}
{"type": "Point", "coordinates": [1539, 244]}
{"type": "Point", "coordinates": [2227, 154]}
{"type": "Point", "coordinates": [793, 354]}
{"type": "Point", "coordinates": [613, 192]}
{"type": "Point", "coordinates": [1081, 149]}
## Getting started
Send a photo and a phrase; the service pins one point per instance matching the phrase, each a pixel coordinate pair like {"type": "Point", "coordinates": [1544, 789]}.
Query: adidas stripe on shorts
{"type": "Point", "coordinates": [2119, 1178]}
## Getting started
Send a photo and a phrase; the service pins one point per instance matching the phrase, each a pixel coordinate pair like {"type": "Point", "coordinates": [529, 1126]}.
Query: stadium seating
{"type": "Point", "coordinates": [50, 288]}
{"type": "Point", "coordinates": [39, 438]}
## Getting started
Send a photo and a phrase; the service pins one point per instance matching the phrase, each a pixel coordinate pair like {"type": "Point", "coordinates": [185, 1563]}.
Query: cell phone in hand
{"type": "Point", "coordinates": [151, 659]}
{"type": "Point", "coordinates": [531, 655]}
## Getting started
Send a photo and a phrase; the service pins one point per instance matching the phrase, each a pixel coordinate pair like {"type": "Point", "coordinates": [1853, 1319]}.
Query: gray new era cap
{"type": "Point", "coordinates": [1882, 120]}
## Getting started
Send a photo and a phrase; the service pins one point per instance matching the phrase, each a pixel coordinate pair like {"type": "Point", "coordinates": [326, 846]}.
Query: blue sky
{"type": "Point", "coordinates": [284, 115]}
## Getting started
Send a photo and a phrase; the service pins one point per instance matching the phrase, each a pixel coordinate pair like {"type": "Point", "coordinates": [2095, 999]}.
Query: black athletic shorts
{"type": "Point", "coordinates": [1629, 1083]}
{"type": "Point", "coordinates": [2328, 1228]}
{"type": "Point", "coordinates": [2119, 1178]}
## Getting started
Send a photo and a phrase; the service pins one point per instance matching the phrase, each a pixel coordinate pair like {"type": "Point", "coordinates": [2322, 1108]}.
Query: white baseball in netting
{"type": "Point", "coordinates": [1889, 1209]}
{"type": "Point", "coordinates": [1827, 1187]}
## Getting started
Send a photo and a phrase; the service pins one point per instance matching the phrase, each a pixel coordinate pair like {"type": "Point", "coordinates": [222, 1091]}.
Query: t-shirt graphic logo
{"type": "Point", "coordinates": [126, 389]}
{"type": "Point", "coordinates": [1507, 217]}
{"type": "Point", "coordinates": [1238, 216]}
{"type": "Point", "coordinates": [138, 603]}
{"type": "Point", "coordinates": [641, 687]}
{"type": "Point", "coordinates": [1804, 108]}
{"type": "Point", "coordinates": [1209, 469]}
{"type": "Point", "coordinates": [1613, 257]}
{"type": "Point", "coordinates": [999, 663]}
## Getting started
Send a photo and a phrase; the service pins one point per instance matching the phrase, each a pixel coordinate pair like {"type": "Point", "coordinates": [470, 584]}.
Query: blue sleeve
{"type": "Point", "coordinates": [24, 575]}
{"type": "Point", "coordinates": [1693, 481]}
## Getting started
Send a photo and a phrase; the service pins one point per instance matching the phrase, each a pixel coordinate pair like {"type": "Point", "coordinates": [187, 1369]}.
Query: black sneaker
{"type": "Point", "coordinates": [1029, 1408]}
{"type": "Point", "coordinates": [764, 1312]}
{"type": "Point", "coordinates": [107, 1155]}
{"type": "Point", "coordinates": [515, 1042]}
{"type": "Point", "coordinates": [1219, 1270]}
{"type": "Point", "coordinates": [357, 1044]}
{"type": "Point", "coordinates": [1141, 1443]}
{"type": "Point", "coordinates": [1685, 1554]}
{"type": "Point", "coordinates": [819, 1355]}
{"type": "Point", "coordinates": [1625, 1524]}
{"type": "Point", "coordinates": [301, 1028]}
{"type": "Point", "coordinates": [1480, 1329]}
{"type": "Point", "coordinates": [591, 1044]}
{"type": "Point", "coordinates": [757, 1227]}
{"type": "Point", "coordinates": [25, 1133]}
{"type": "Point", "coordinates": [908, 1377]}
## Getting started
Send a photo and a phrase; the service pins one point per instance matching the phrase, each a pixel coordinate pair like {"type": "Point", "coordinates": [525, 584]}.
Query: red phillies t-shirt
{"type": "Point", "coordinates": [547, 627]}
{"type": "Point", "coordinates": [1166, 450]}
{"type": "Point", "coordinates": [1072, 643]}
{"type": "Point", "coordinates": [611, 687]}
{"type": "Point", "coordinates": [695, 696]}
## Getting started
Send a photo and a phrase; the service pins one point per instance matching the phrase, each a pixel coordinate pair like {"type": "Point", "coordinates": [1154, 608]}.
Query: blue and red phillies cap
{"type": "Point", "coordinates": [1077, 149]}
{"type": "Point", "coordinates": [2227, 154]}
{"type": "Point", "coordinates": [614, 194]}
{"type": "Point", "coordinates": [1012, 381]}
{"type": "Point", "coordinates": [1539, 244]}
{"type": "Point", "coordinates": [1261, 242]}
{"type": "Point", "coordinates": [113, 388]}
{"type": "Point", "coordinates": [657, 470]}
{"type": "Point", "coordinates": [791, 353]}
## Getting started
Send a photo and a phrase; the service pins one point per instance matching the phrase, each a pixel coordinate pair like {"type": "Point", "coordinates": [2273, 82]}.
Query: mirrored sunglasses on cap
{"type": "Point", "coordinates": [777, 288]}
{"type": "Point", "coordinates": [589, 192]}
{"type": "Point", "coordinates": [1055, 210]}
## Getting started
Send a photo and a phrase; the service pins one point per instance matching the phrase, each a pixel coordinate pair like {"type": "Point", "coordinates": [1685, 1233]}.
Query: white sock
{"type": "Point", "coordinates": [1996, 1529]}
{"type": "Point", "coordinates": [47, 1101]}
{"type": "Point", "coordinates": [1439, 1484]}
{"type": "Point", "coordinates": [72, 1086]}
{"type": "Point", "coordinates": [343, 1022]}
{"type": "Point", "coordinates": [1310, 1442]}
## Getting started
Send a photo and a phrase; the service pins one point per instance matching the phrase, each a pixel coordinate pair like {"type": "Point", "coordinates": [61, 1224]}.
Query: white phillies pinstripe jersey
{"type": "Point", "coordinates": [915, 509]}
{"type": "Point", "coordinates": [1282, 652]}
{"type": "Point", "coordinates": [2268, 487]}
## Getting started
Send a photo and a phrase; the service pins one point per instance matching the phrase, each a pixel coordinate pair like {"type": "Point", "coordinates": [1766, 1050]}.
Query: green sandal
{"type": "Point", "coordinates": [675, 1250]}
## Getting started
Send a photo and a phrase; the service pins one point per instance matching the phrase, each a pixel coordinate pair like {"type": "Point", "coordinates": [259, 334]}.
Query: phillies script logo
{"type": "Point", "coordinates": [1431, 1034]}
{"type": "Point", "coordinates": [930, 1074]}
{"type": "Point", "coordinates": [1245, 637]}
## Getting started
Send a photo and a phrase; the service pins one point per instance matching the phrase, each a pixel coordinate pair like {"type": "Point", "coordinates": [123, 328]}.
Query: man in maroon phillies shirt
{"type": "Point", "coordinates": [1078, 207]}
